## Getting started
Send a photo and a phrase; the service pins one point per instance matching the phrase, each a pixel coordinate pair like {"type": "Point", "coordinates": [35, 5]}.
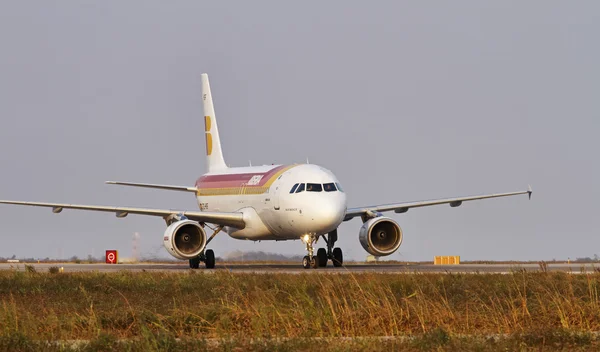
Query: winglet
{"type": "Point", "coordinates": [529, 191]}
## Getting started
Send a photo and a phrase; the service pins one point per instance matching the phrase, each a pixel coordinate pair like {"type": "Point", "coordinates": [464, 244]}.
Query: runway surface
{"type": "Point", "coordinates": [293, 268]}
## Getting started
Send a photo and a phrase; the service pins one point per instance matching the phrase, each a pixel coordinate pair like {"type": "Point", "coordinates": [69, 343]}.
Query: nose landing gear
{"type": "Point", "coordinates": [309, 261]}
{"type": "Point", "coordinates": [323, 255]}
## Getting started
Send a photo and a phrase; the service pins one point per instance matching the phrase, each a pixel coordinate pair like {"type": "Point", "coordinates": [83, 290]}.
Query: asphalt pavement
{"type": "Point", "coordinates": [297, 268]}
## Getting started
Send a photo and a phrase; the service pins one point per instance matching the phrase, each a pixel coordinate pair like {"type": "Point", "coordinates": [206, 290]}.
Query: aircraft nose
{"type": "Point", "coordinates": [329, 213]}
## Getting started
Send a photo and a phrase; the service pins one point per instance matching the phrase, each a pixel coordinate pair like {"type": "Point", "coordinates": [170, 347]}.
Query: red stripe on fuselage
{"type": "Point", "coordinates": [235, 180]}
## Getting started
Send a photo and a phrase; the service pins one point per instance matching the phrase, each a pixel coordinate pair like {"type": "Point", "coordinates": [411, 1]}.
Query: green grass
{"type": "Point", "coordinates": [193, 309]}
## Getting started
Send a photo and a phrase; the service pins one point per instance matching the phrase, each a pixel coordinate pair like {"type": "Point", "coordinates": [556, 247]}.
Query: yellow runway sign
{"type": "Point", "coordinates": [446, 259]}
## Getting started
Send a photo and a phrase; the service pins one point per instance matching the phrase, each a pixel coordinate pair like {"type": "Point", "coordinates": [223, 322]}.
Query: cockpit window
{"type": "Point", "coordinates": [329, 187]}
{"type": "Point", "coordinates": [300, 188]}
{"type": "Point", "coordinates": [294, 188]}
{"type": "Point", "coordinates": [314, 187]}
{"type": "Point", "coordinates": [339, 187]}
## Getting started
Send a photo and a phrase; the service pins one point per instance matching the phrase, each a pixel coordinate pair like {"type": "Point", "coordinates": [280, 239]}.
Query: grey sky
{"type": "Point", "coordinates": [403, 101]}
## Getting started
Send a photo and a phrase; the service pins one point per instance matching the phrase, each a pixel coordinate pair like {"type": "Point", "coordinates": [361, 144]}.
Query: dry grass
{"type": "Point", "coordinates": [540, 308]}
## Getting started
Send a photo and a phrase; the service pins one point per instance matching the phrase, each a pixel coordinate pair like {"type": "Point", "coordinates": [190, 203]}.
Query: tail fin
{"type": "Point", "coordinates": [214, 154]}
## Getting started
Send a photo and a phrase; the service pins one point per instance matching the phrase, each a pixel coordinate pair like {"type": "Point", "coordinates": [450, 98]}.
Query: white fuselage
{"type": "Point", "coordinates": [271, 211]}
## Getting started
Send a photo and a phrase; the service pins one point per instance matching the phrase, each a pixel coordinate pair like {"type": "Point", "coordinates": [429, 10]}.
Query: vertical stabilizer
{"type": "Point", "coordinates": [214, 154]}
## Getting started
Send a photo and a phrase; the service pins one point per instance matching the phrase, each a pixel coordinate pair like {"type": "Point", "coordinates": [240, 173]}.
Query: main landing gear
{"type": "Point", "coordinates": [208, 257]}
{"type": "Point", "coordinates": [323, 255]}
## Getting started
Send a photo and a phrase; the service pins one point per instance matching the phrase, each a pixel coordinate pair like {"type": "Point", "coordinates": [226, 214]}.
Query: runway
{"type": "Point", "coordinates": [297, 268]}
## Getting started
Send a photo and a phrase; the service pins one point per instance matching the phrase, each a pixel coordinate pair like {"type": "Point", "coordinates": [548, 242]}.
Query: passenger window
{"type": "Point", "coordinates": [314, 187]}
{"type": "Point", "coordinates": [294, 188]}
{"type": "Point", "coordinates": [339, 187]}
{"type": "Point", "coordinates": [300, 188]}
{"type": "Point", "coordinates": [329, 187]}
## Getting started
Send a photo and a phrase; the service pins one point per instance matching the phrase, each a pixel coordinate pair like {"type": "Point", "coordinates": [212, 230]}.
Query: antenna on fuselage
{"type": "Point", "coordinates": [250, 162]}
{"type": "Point", "coordinates": [307, 160]}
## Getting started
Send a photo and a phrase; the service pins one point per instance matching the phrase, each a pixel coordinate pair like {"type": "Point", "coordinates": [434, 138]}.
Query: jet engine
{"type": "Point", "coordinates": [380, 236]}
{"type": "Point", "coordinates": [185, 239]}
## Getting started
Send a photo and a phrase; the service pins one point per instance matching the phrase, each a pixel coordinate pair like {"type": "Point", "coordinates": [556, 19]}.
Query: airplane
{"type": "Point", "coordinates": [271, 202]}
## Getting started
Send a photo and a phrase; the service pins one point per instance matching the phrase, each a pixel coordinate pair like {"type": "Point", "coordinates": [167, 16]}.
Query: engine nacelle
{"type": "Point", "coordinates": [185, 239]}
{"type": "Point", "coordinates": [380, 236]}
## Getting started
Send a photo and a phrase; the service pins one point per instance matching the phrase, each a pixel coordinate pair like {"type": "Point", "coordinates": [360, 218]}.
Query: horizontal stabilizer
{"type": "Point", "coordinates": [150, 185]}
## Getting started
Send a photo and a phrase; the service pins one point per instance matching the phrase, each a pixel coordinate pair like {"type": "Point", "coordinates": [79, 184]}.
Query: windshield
{"type": "Point", "coordinates": [329, 187]}
{"type": "Point", "coordinates": [314, 187]}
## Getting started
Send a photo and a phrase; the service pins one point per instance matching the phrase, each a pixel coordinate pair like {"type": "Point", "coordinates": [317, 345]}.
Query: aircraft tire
{"type": "Point", "coordinates": [322, 257]}
{"type": "Point", "coordinates": [210, 259]}
{"type": "Point", "coordinates": [338, 257]}
{"type": "Point", "coordinates": [314, 262]}
{"type": "Point", "coordinates": [194, 263]}
{"type": "Point", "coordinates": [306, 262]}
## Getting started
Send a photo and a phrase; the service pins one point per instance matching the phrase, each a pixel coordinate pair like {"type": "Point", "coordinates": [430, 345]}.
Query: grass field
{"type": "Point", "coordinates": [197, 311]}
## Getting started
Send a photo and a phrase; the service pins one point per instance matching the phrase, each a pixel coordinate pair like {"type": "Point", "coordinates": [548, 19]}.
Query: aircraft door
{"type": "Point", "coordinates": [276, 195]}
{"type": "Point", "coordinates": [276, 198]}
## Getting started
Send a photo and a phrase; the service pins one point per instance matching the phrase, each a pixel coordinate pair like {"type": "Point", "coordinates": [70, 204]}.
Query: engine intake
{"type": "Point", "coordinates": [185, 239]}
{"type": "Point", "coordinates": [380, 236]}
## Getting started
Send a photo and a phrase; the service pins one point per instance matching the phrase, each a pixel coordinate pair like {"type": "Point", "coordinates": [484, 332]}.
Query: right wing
{"type": "Point", "coordinates": [152, 185]}
{"type": "Point", "coordinates": [233, 219]}
{"type": "Point", "coordinates": [403, 207]}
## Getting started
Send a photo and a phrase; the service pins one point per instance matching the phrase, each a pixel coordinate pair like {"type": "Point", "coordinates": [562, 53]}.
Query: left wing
{"type": "Point", "coordinates": [403, 207]}
{"type": "Point", "coordinates": [234, 219]}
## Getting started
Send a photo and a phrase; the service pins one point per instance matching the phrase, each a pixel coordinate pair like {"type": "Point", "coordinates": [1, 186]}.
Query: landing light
{"type": "Point", "coordinates": [306, 238]}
